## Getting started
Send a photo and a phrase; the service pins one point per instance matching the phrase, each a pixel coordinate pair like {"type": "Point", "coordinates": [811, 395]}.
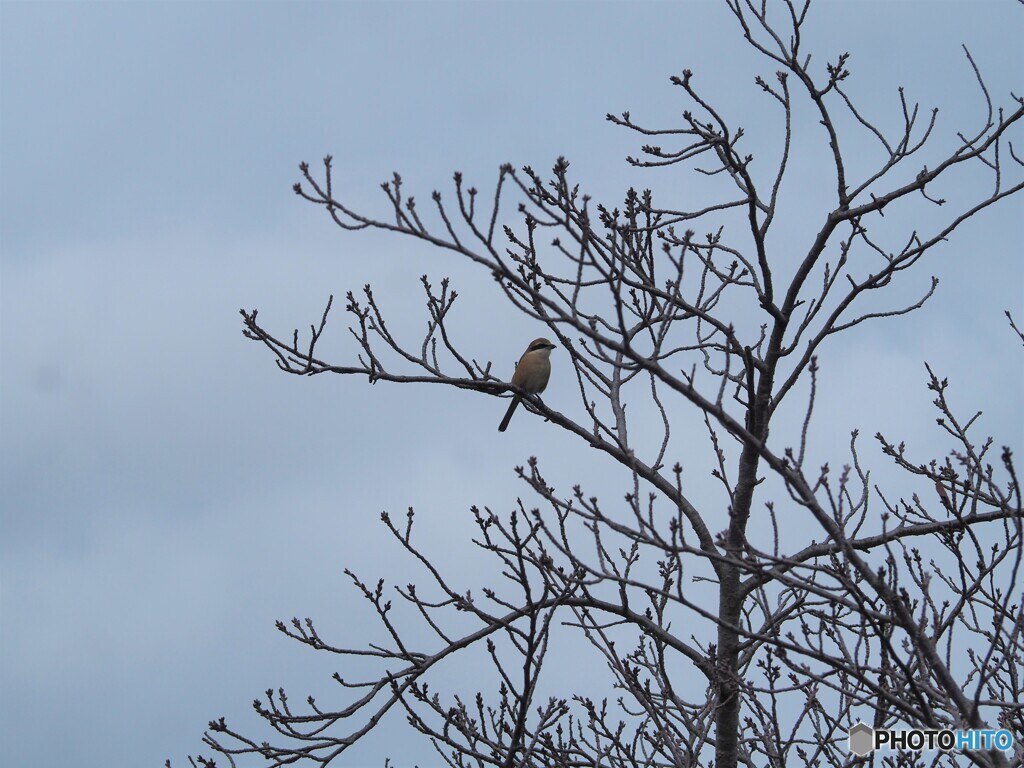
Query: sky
{"type": "Point", "coordinates": [167, 493]}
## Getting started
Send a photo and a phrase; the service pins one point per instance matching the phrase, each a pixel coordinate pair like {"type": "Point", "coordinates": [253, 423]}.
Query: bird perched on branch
{"type": "Point", "coordinates": [531, 376]}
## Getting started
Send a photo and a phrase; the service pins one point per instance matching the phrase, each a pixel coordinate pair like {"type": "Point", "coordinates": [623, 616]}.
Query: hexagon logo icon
{"type": "Point", "coordinates": [862, 739]}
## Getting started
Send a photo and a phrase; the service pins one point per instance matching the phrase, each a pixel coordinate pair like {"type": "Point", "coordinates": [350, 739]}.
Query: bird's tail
{"type": "Point", "coordinates": [508, 414]}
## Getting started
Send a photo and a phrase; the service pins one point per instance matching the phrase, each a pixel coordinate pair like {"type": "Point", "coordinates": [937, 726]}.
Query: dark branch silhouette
{"type": "Point", "coordinates": [716, 650]}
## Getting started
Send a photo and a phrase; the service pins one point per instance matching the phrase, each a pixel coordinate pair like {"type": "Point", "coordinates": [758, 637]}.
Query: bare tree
{"type": "Point", "coordinates": [911, 612]}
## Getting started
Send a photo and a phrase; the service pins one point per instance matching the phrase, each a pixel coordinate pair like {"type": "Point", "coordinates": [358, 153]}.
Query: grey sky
{"type": "Point", "coordinates": [167, 493]}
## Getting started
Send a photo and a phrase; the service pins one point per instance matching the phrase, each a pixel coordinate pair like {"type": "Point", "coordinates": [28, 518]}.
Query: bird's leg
{"type": "Point", "coordinates": [539, 402]}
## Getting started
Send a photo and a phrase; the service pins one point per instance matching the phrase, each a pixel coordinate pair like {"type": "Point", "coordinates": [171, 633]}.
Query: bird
{"type": "Point", "coordinates": [531, 375]}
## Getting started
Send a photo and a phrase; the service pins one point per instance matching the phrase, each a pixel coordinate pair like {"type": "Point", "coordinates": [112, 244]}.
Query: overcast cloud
{"type": "Point", "coordinates": [167, 493]}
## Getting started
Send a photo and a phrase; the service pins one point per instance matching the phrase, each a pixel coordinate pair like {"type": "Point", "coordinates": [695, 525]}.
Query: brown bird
{"type": "Point", "coordinates": [531, 375]}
